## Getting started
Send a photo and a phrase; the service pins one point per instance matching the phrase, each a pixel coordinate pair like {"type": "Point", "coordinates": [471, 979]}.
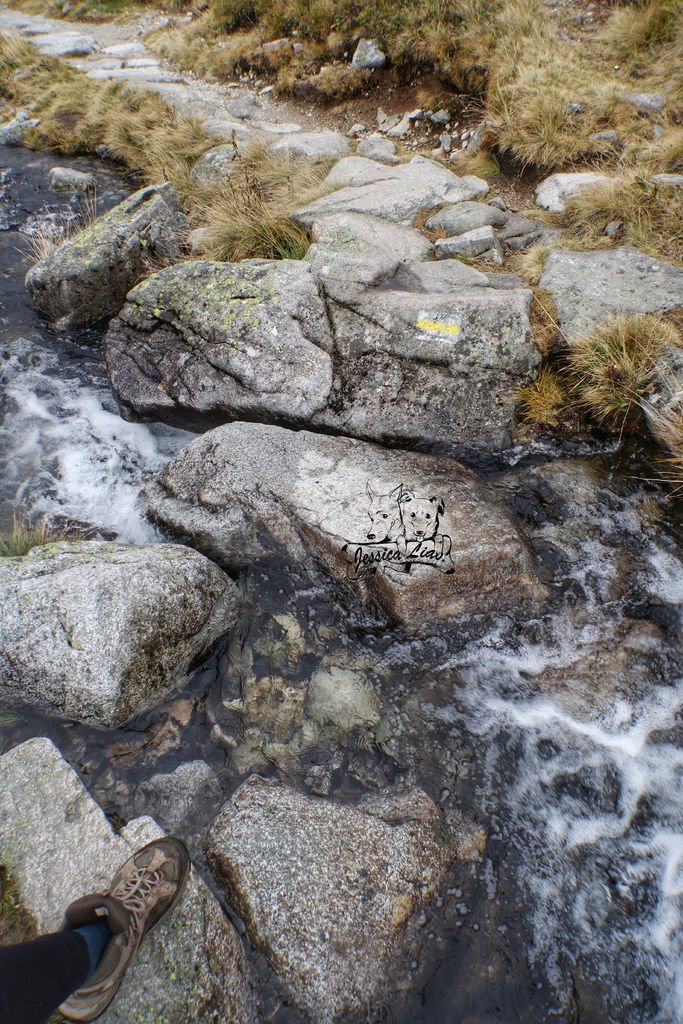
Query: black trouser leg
{"type": "Point", "coordinates": [35, 977]}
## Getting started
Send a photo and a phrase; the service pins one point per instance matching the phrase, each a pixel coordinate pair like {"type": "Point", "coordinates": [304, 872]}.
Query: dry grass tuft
{"type": "Point", "coordinates": [25, 535]}
{"type": "Point", "coordinates": [50, 234]}
{"type": "Point", "coordinates": [543, 318]}
{"type": "Point", "coordinates": [613, 367]}
{"type": "Point", "coordinates": [643, 27]}
{"type": "Point", "coordinates": [544, 400]}
{"type": "Point", "coordinates": [16, 924]}
{"type": "Point", "coordinates": [652, 214]}
{"type": "Point", "coordinates": [248, 217]}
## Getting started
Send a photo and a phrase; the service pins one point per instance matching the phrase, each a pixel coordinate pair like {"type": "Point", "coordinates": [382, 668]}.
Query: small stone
{"type": "Point", "coordinates": [356, 129]}
{"type": "Point", "coordinates": [572, 109]}
{"type": "Point", "coordinates": [245, 107]}
{"type": "Point", "coordinates": [446, 142]}
{"type": "Point", "coordinates": [554, 192]}
{"type": "Point", "coordinates": [65, 179]}
{"type": "Point", "coordinates": [12, 132]}
{"type": "Point", "coordinates": [499, 203]}
{"type": "Point", "coordinates": [471, 243]}
{"type": "Point", "coordinates": [374, 147]}
{"type": "Point", "coordinates": [606, 136]}
{"type": "Point", "coordinates": [648, 102]}
{"type": "Point", "coordinates": [614, 228]}
{"type": "Point", "coordinates": [215, 165]}
{"type": "Point", "coordinates": [400, 130]}
{"type": "Point", "coordinates": [368, 55]}
{"type": "Point", "coordinates": [440, 117]}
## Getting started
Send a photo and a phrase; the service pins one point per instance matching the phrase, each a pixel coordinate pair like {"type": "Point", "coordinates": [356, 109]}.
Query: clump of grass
{"type": "Point", "coordinates": [544, 323]}
{"type": "Point", "coordinates": [641, 27]}
{"type": "Point", "coordinates": [16, 924]}
{"type": "Point", "coordinates": [544, 400]}
{"type": "Point", "coordinates": [49, 234]}
{"type": "Point", "coordinates": [482, 164]}
{"type": "Point", "coordinates": [24, 536]}
{"type": "Point", "coordinates": [652, 214]}
{"type": "Point", "coordinates": [248, 217]}
{"type": "Point", "coordinates": [612, 368]}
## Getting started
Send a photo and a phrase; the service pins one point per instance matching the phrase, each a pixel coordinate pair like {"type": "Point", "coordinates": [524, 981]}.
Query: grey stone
{"type": "Point", "coordinates": [572, 109]}
{"type": "Point", "coordinates": [648, 102]}
{"type": "Point", "coordinates": [439, 278]}
{"type": "Point", "coordinates": [669, 180]}
{"type": "Point", "coordinates": [446, 142]}
{"type": "Point", "coordinates": [440, 117]}
{"type": "Point", "coordinates": [126, 50]}
{"type": "Point", "coordinates": [214, 166]}
{"type": "Point", "coordinates": [245, 487]}
{"type": "Point", "coordinates": [66, 179]}
{"type": "Point", "coordinates": [151, 75]}
{"type": "Point", "coordinates": [357, 129]}
{"type": "Point", "coordinates": [368, 55]}
{"type": "Point", "coordinates": [590, 287]}
{"type": "Point", "coordinates": [313, 145]}
{"type": "Point", "coordinates": [483, 133]}
{"type": "Point", "coordinates": [65, 44]}
{"type": "Point", "coordinates": [394, 193]}
{"type": "Point", "coordinates": [88, 276]}
{"type": "Point", "coordinates": [499, 203]}
{"type": "Point", "coordinates": [245, 107]}
{"type": "Point", "coordinates": [606, 136]}
{"type": "Point", "coordinates": [331, 892]}
{"type": "Point", "coordinates": [377, 148]}
{"type": "Point", "coordinates": [469, 244]}
{"type": "Point", "coordinates": [58, 845]}
{"type": "Point", "coordinates": [614, 228]}
{"type": "Point", "coordinates": [518, 232]}
{"type": "Point", "coordinates": [174, 798]}
{"type": "Point", "coordinates": [358, 232]}
{"type": "Point", "coordinates": [100, 630]}
{"type": "Point", "coordinates": [12, 132]}
{"type": "Point", "coordinates": [554, 192]}
{"type": "Point", "coordinates": [201, 343]}
{"type": "Point", "coordinates": [400, 130]}
{"type": "Point", "coordinates": [227, 130]}
{"type": "Point", "coordinates": [455, 220]}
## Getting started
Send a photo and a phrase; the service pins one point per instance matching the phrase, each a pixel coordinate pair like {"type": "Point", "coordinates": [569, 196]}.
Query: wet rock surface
{"type": "Point", "coordinates": [192, 967]}
{"type": "Point", "coordinates": [418, 535]}
{"type": "Point", "coordinates": [328, 891]}
{"type": "Point", "coordinates": [98, 630]}
{"type": "Point", "coordinates": [87, 277]}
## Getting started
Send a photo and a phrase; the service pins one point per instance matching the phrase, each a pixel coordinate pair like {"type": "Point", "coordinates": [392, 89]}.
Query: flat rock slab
{"type": "Point", "coordinates": [555, 192]}
{"type": "Point", "coordinates": [329, 891]}
{"type": "Point", "coordinates": [101, 630]}
{"type": "Point", "coordinates": [64, 44]}
{"type": "Point", "coordinates": [58, 845]}
{"type": "Point", "coordinates": [312, 145]}
{"type": "Point", "coordinates": [393, 193]}
{"type": "Point", "coordinates": [591, 287]}
{"type": "Point", "coordinates": [87, 277]}
{"type": "Point", "coordinates": [309, 343]}
{"type": "Point", "coordinates": [418, 535]}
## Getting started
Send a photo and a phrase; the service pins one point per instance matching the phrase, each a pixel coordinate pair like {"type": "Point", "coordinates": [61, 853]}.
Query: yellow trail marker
{"type": "Point", "coordinates": [438, 327]}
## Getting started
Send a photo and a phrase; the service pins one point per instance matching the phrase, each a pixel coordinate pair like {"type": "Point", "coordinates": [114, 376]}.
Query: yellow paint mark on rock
{"type": "Point", "coordinates": [438, 327]}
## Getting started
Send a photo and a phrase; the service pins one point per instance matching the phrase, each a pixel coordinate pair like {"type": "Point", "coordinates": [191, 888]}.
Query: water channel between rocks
{"type": "Point", "coordinates": [558, 736]}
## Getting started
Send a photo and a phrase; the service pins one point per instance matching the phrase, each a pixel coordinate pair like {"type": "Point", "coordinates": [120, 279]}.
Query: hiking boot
{"type": "Point", "coordinates": [142, 892]}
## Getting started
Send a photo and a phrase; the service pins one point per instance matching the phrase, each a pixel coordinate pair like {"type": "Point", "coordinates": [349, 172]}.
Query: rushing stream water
{"type": "Point", "coordinates": [558, 736]}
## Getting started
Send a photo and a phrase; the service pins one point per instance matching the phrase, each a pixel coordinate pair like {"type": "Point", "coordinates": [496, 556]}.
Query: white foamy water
{"type": "Point", "coordinates": [64, 450]}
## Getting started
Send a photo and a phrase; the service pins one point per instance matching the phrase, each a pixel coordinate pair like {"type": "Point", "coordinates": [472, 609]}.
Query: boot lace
{"type": "Point", "coordinates": [140, 891]}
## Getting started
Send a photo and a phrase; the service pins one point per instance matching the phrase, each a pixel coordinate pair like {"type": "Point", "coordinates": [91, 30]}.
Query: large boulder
{"type": "Point", "coordinates": [591, 287]}
{"type": "Point", "coordinates": [393, 193]}
{"type": "Point", "coordinates": [101, 630]}
{"type": "Point", "coordinates": [342, 341]}
{"type": "Point", "coordinates": [201, 343]}
{"type": "Point", "coordinates": [331, 892]}
{"type": "Point", "coordinates": [58, 845]}
{"type": "Point", "coordinates": [88, 276]}
{"type": "Point", "coordinates": [419, 535]}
